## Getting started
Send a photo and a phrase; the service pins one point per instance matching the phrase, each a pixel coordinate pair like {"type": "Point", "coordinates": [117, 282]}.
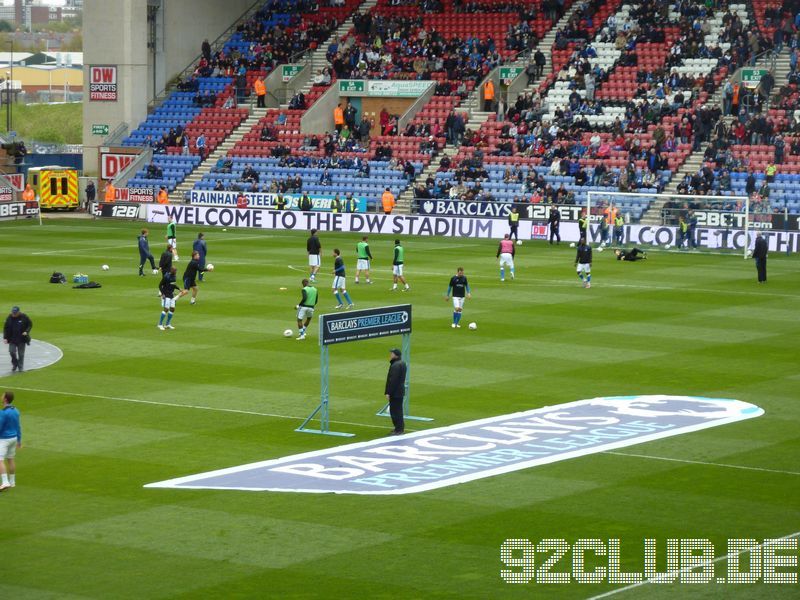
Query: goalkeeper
{"type": "Point", "coordinates": [631, 255]}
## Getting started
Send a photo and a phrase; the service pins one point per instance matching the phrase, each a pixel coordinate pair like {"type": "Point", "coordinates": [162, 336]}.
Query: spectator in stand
{"type": "Point", "coordinates": [338, 117]}
{"type": "Point", "coordinates": [539, 60]}
{"type": "Point", "coordinates": [488, 96]}
{"type": "Point", "coordinates": [260, 89]}
{"type": "Point", "coordinates": [200, 145]}
{"type": "Point", "coordinates": [387, 201]}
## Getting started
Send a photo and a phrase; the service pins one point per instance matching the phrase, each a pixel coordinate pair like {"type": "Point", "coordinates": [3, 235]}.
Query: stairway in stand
{"type": "Point", "coordinates": [318, 59]}
{"type": "Point", "coordinates": [180, 193]}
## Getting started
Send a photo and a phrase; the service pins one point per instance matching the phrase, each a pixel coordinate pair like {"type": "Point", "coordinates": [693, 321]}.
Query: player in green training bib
{"type": "Point", "coordinates": [305, 310]}
{"type": "Point", "coordinates": [397, 266]}
{"type": "Point", "coordinates": [363, 257]}
{"type": "Point", "coordinates": [172, 241]}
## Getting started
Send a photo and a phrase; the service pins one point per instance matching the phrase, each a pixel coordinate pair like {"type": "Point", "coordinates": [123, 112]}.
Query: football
{"type": "Point", "coordinates": [600, 248]}
{"type": "Point", "coordinates": [667, 246]}
{"type": "Point", "coordinates": [473, 325]}
{"type": "Point", "coordinates": [209, 267]}
{"type": "Point", "coordinates": [155, 271]}
{"type": "Point", "coordinates": [519, 242]}
{"type": "Point", "coordinates": [572, 244]}
{"type": "Point", "coordinates": [105, 267]}
{"type": "Point", "coordinates": [287, 333]}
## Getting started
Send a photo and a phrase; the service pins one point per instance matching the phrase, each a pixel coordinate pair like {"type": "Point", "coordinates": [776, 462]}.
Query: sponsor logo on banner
{"type": "Point", "coordinates": [445, 456]}
{"type": "Point", "coordinates": [112, 164]}
{"type": "Point", "coordinates": [265, 200]}
{"type": "Point", "coordinates": [6, 194]}
{"type": "Point", "coordinates": [539, 232]}
{"type": "Point", "coordinates": [115, 211]}
{"type": "Point", "coordinates": [459, 208]}
{"type": "Point", "coordinates": [17, 181]}
{"type": "Point", "coordinates": [18, 209]}
{"type": "Point", "coordinates": [138, 194]}
{"type": "Point", "coordinates": [103, 83]}
{"type": "Point", "coordinates": [768, 221]}
{"type": "Point", "coordinates": [365, 324]}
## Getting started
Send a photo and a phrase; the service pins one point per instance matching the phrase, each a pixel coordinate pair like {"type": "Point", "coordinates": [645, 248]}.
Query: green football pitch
{"type": "Point", "coordinates": [129, 405]}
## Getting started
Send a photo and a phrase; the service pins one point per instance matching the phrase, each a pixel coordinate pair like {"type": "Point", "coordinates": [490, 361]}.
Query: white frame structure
{"type": "Point", "coordinates": [590, 194]}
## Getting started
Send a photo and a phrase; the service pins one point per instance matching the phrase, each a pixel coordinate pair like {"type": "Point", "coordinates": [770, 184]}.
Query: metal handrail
{"type": "Point", "coordinates": [218, 43]}
{"type": "Point", "coordinates": [116, 135]}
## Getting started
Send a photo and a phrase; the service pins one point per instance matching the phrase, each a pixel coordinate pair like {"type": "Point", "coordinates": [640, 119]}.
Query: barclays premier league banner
{"type": "Point", "coordinates": [266, 200]}
{"type": "Point", "coordinates": [445, 456]}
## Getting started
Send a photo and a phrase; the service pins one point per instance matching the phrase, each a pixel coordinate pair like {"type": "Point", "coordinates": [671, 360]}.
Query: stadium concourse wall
{"type": "Point", "coordinates": [142, 60]}
{"type": "Point", "coordinates": [728, 239]}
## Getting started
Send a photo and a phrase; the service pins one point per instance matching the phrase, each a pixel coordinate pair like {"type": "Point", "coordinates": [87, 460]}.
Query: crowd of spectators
{"type": "Point", "coordinates": [392, 47]}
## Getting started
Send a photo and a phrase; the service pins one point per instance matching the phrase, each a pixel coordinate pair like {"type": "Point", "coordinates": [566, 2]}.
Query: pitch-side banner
{"type": "Point", "coordinates": [467, 227]}
{"type": "Point", "coordinates": [362, 223]}
{"type": "Point", "coordinates": [266, 200]}
{"type": "Point", "coordinates": [15, 210]}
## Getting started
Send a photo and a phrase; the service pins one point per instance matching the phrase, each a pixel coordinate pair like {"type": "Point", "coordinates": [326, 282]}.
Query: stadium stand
{"type": "Point", "coordinates": [628, 98]}
{"type": "Point", "coordinates": [637, 98]}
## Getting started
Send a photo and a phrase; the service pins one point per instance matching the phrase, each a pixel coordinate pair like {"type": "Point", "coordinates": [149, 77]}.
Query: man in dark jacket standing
{"type": "Point", "coordinates": [395, 390]}
{"type": "Point", "coordinates": [144, 253]}
{"type": "Point", "coordinates": [760, 256]}
{"type": "Point", "coordinates": [17, 334]}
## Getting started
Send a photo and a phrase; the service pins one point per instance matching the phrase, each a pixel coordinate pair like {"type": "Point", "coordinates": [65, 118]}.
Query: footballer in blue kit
{"type": "Point", "coordinates": [339, 283]}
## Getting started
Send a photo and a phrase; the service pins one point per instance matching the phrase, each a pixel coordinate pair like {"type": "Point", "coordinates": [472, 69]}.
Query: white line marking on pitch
{"type": "Point", "coordinates": [571, 283]}
{"type": "Point", "coordinates": [196, 407]}
{"type": "Point", "coordinates": [117, 247]}
{"type": "Point", "coordinates": [708, 464]}
{"type": "Point", "coordinates": [674, 574]}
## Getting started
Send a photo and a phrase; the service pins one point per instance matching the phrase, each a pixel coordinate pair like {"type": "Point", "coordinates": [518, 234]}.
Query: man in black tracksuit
{"type": "Point", "coordinates": [165, 261]}
{"type": "Point", "coordinates": [17, 334]}
{"type": "Point", "coordinates": [554, 220]}
{"type": "Point", "coordinates": [395, 390]}
{"type": "Point", "coordinates": [760, 256]}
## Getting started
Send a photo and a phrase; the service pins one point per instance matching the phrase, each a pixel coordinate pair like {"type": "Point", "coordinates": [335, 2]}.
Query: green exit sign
{"type": "Point", "coordinates": [351, 85]}
{"type": "Point", "coordinates": [99, 129]}
{"type": "Point", "coordinates": [507, 73]}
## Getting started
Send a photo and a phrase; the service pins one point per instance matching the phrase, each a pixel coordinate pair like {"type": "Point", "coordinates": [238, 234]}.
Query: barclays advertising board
{"type": "Point", "coordinates": [445, 456]}
{"type": "Point", "coordinates": [364, 324]}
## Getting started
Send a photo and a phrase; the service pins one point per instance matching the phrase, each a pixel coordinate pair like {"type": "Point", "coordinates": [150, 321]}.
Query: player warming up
{"type": "Point", "coordinates": [313, 247]}
{"type": "Point", "coordinates": [172, 240]}
{"type": "Point", "coordinates": [505, 252]}
{"type": "Point", "coordinates": [168, 287]}
{"type": "Point", "coordinates": [397, 266]}
{"type": "Point", "coordinates": [631, 255]}
{"type": "Point", "coordinates": [583, 263]}
{"type": "Point", "coordinates": [459, 289]}
{"type": "Point", "coordinates": [364, 256]}
{"type": "Point", "coordinates": [305, 310]}
{"type": "Point", "coordinates": [190, 275]}
{"type": "Point", "coordinates": [339, 283]}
